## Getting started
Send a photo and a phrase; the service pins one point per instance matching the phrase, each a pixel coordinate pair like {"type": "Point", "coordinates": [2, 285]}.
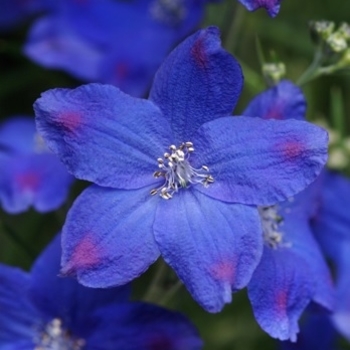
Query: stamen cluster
{"type": "Point", "coordinates": [55, 337]}
{"type": "Point", "coordinates": [178, 172]}
{"type": "Point", "coordinates": [271, 224]}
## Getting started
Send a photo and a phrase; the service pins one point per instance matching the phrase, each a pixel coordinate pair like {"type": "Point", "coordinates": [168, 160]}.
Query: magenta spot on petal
{"type": "Point", "coordinates": [274, 113]}
{"type": "Point", "coordinates": [121, 70]}
{"type": "Point", "coordinates": [281, 302]}
{"type": "Point", "coordinates": [70, 120]}
{"type": "Point", "coordinates": [28, 180]}
{"type": "Point", "coordinates": [292, 149]}
{"type": "Point", "coordinates": [159, 342]}
{"type": "Point", "coordinates": [224, 271]}
{"type": "Point", "coordinates": [84, 255]}
{"type": "Point", "coordinates": [199, 54]}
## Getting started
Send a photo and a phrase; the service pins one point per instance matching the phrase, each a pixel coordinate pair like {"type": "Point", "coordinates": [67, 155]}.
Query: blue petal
{"type": "Point", "coordinates": [107, 238]}
{"type": "Point", "coordinates": [191, 81]}
{"type": "Point", "coordinates": [341, 315]}
{"type": "Point", "coordinates": [103, 135]}
{"type": "Point", "coordinates": [271, 6]}
{"type": "Point", "coordinates": [279, 292]}
{"type": "Point", "coordinates": [65, 298]}
{"type": "Point", "coordinates": [52, 43]}
{"type": "Point", "coordinates": [283, 101]}
{"type": "Point", "coordinates": [316, 332]}
{"type": "Point", "coordinates": [14, 11]}
{"type": "Point", "coordinates": [17, 135]}
{"type": "Point", "coordinates": [332, 222]}
{"type": "Point", "coordinates": [122, 65]}
{"type": "Point", "coordinates": [38, 180]}
{"type": "Point", "coordinates": [214, 247]}
{"type": "Point", "coordinates": [18, 317]}
{"type": "Point", "coordinates": [307, 202]}
{"type": "Point", "coordinates": [302, 243]}
{"type": "Point", "coordinates": [96, 21]}
{"type": "Point", "coordinates": [141, 326]}
{"type": "Point", "coordinates": [256, 161]}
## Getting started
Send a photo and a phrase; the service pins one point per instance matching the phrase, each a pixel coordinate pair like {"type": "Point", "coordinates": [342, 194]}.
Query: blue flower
{"type": "Point", "coordinates": [175, 175]}
{"type": "Point", "coordinates": [332, 228]}
{"type": "Point", "coordinates": [30, 174]}
{"type": "Point", "coordinates": [271, 6]}
{"type": "Point", "coordinates": [42, 311]}
{"type": "Point", "coordinates": [115, 42]}
{"type": "Point", "coordinates": [292, 271]}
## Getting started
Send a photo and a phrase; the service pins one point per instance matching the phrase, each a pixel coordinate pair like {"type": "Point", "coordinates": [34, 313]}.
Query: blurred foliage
{"type": "Point", "coordinates": [283, 39]}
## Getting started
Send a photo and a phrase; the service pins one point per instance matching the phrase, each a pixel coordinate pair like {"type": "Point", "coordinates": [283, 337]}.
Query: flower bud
{"type": "Point", "coordinates": [321, 30]}
{"type": "Point", "coordinates": [274, 72]}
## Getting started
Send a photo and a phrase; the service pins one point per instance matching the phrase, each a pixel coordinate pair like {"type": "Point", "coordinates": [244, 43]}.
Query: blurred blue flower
{"type": "Point", "coordinates": [30, 174]}
{"type": "Point", "coordinates": [332, 228]}
{"type": "Point", "coordinates": [40, 310]}
{"type": "Point", "coordinates": [116, 42]}
{"type": "Point", "coordinates": [271, 6]}
{"type": "Point", "coordinates": [292, 271]}
{"type": "Point", "coordinates": [196, 203]}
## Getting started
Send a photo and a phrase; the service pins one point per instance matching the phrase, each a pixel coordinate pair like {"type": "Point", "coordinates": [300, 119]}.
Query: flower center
{"type": "Point", "coordinates": [170, 12]}
{"type": "Point", "coordinates": [54, 337]}
{"type": "Point", "coordinates": [271, 223]}
{"type": "Point", "coordinates": [178, 172]}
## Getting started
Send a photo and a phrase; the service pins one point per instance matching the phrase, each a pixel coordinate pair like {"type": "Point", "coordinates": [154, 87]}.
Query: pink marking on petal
{"type": "Point", "coordinates": [70, 120]}
{"type": "Point", "coordinates": [292, 149]}
{"type": "Point", "coordinates": [28, 180]}
{"type": "Point", "coordinates": [159, 342]}
{"type": "Point", "coordinates": [199, 54]}
{"type": "Point", "coordinates": [223, 271]}
{"type": "Point", "coordinates": [274, 113]}
{"type": "Point", "coordinates": [121, 70]}
{"type": "Point", "coordinates": [281, 302]}
{"type": "Point", "coordinates": [85, 255]}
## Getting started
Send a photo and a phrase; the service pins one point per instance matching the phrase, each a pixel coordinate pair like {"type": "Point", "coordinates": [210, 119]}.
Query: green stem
{"type": "Point", "coordinates": [170, 293]}
{"type": "Point", "coordinates": [338, 111]}
{"type": "Point", "coordinates": [155, 287]}
{"type": "Point", "coordinates": [253, 79]}
{"type": "Point", "coordinates": [313, 70]}
{"type": "Point", "coordinates": [231, 39]}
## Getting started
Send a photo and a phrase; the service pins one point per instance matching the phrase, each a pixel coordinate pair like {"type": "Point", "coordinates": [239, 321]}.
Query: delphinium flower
{"type": "Point", "coordinates": [271, 6]}
{"type": "Point", "coordinates": [116, 42]}
{"type": "Point", "coordinates": [30, 174]}
{"type": "Point", "coordinates": [292, 271]}
{"type": "Point", "coordinates": [175, 175]}
{"type": "Point", "coordinates": [42, 311]}
{"type": "Point", "coordinates": [332, 228]}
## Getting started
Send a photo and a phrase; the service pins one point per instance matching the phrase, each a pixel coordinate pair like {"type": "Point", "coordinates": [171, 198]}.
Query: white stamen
{"type": "Point", "coordinates": [178, 172]}
{"type": "Point", "coordinates": [272, 223]}
{"type": "Point", "coordinates": [54, 337]}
